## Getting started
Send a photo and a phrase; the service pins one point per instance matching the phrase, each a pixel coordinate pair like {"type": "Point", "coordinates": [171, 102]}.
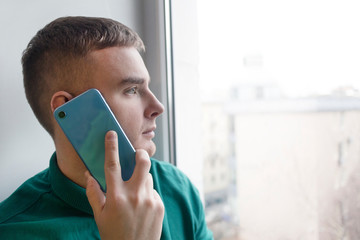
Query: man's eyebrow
{"type": "Point", "coordinates": [132, 80]}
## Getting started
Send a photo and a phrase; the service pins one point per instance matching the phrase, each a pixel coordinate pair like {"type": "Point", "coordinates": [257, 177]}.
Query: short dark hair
{"type": "Point", "coordinates": [49, 60]}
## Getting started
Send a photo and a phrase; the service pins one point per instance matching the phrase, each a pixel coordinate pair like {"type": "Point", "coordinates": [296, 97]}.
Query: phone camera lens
{"type": "Point", "coordinates": [61, 114]}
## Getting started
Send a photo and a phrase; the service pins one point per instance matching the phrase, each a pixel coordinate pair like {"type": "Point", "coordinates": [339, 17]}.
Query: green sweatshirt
{"type": "Point", "coordinates": [51, 206]}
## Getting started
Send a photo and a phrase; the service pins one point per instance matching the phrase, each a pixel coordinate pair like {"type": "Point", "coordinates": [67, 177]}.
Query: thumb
{"type": "Point", "coordinates": [94, 194]}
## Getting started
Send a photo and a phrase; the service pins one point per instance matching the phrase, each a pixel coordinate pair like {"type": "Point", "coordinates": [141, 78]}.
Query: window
{"type": "Point", "coordinates": [268, 113]}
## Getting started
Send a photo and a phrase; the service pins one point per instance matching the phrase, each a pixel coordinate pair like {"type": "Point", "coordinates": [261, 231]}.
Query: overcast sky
{"type": "Point", "coordinates": [305, 46]}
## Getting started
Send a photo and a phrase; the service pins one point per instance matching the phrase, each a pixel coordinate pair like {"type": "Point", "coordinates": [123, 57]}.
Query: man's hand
{"type": "Point", "coordinates": [131, 209]}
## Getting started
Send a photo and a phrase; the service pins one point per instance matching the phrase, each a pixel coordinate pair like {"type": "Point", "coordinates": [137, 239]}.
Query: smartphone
{"type": "Point", "coordinates": [85, 120]}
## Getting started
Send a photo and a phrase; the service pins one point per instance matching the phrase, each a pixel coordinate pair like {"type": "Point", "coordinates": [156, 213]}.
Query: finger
{"type": "Point", "coordinates": [159, 216]}
{"type": "Point", "coordinates": [142, 166]}
{"type": "Point", "coordinates": [149, 182]}
{"type": "Point", "coordinates": [160, 208]}
{"type": "Point", "coordinates": [112, 163]}
{"type": "Point", "coordinates": [94, 194]}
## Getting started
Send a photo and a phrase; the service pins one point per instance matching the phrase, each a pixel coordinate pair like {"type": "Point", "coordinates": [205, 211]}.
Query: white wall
{"type": "Point", "coordinates": [25, 148]}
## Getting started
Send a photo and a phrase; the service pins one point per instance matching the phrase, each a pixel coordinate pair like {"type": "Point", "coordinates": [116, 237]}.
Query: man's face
{"type": "Point", "coordinates": [119, 73]}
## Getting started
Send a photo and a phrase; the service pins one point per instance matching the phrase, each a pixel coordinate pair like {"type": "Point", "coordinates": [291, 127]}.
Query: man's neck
{"type": "Point", "coordinates": [70, 163]}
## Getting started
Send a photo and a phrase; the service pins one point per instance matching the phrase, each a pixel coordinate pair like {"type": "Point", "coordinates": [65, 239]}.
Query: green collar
{"type": "Point", "coordinates": [67, 190]}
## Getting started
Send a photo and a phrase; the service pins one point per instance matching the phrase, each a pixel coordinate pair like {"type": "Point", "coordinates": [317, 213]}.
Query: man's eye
{"type": "Point", "coordinates": [132, 90]}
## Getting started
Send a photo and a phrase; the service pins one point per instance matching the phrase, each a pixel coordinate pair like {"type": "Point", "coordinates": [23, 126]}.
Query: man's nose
{"type": "Point", "coordinates": [155, 107]}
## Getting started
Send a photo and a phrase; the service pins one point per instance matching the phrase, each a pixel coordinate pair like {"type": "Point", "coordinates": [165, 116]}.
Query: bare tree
{"type": "Point", "coordinates": [342, 220]}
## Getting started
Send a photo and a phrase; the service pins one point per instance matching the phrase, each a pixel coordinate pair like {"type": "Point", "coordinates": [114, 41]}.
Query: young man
{"type": "Point", "coordinates": [64, 59]}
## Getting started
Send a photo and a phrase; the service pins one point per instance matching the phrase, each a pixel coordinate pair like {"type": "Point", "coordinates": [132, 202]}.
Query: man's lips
{"type": "Point", "coordinates": [149, 132]}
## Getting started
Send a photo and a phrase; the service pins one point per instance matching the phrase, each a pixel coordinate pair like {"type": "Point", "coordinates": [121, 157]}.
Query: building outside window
{"type": "Point", "coordinates": [278, 91]}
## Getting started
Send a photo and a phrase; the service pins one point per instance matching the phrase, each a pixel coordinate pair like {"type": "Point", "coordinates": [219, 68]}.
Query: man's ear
{"type": "Point", "coordinates": [59, 98]}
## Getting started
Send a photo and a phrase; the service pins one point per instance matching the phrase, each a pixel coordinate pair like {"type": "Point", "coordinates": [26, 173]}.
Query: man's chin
{"type": "Point", "coordinates": [151, 149]}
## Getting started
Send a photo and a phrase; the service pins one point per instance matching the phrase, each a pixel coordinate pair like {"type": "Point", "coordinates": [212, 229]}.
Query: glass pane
{"type": "Point", "coordinates": [280, 95]}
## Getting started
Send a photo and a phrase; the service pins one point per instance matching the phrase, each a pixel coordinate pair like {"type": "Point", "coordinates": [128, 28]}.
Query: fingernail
{"type": "Point", "coordinates": [111, 136]}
